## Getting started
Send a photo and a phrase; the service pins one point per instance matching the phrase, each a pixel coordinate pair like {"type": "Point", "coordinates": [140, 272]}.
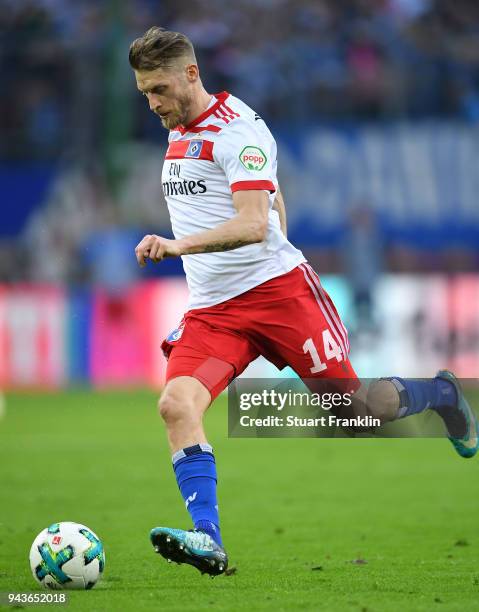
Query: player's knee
{"type": "Point", "coordinates": [383, 400]}
{"type": "Point", "coordinates": [174, 409]}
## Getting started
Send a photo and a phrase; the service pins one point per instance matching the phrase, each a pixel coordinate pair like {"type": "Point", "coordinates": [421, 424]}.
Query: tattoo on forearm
{"type": "Point", "coordinates": [225, 246]}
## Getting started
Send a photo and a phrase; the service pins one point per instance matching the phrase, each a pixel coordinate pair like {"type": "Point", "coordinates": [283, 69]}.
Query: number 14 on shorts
{"type": "Point", "coordinates": [331, 351]}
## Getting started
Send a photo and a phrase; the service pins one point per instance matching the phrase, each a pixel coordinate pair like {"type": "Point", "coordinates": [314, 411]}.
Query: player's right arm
{"type": "Point", "coordinates": [247, 226]}
{"type": "Point", "coordinates": [280, 208]}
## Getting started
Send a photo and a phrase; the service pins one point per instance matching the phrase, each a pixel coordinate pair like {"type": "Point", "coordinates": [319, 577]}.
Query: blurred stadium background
{"type": "Point", "coordinates": [375, 107]}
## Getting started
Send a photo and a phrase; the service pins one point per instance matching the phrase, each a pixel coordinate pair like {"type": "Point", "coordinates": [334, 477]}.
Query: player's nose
{"type": "Point", "coordinates": [154, 102]}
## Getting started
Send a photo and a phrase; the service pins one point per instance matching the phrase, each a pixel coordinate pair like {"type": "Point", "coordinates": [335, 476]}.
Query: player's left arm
{"type": "Point", "coordinates": [248, 226]}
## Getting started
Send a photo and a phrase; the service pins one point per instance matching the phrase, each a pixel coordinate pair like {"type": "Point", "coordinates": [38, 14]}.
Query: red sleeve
{"type": "Point", "coordinates": [250, 185]}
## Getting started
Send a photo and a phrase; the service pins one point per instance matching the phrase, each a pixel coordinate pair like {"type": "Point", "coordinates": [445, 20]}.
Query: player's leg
{"type": "Point", "coordinates": [379, 400]}
{"type": "Point", "coordinates": [307, 334]}
{"type": "Point", "coordinates": [389, 399]}
{"type": "Point", "coordinates": [201, 364]}
{"type": "Point", "coordinates": [395, 397]}
{"type": "Point", "coordinates": [182, 405]}
{"type": "Point", "coordinates": [442, 394]}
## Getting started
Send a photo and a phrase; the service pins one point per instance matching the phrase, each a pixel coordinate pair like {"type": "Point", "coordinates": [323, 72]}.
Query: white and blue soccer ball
{"type": "Point", "coordinates": [67, 556]}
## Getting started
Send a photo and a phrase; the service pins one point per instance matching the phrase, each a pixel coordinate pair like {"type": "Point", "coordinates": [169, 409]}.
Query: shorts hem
{"type": "Point", "coordinates": [212, 391]}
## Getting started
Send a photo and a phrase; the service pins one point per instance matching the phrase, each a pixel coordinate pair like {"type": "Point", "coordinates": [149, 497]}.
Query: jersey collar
{"type": "Point", "coordinates": [220, 98]}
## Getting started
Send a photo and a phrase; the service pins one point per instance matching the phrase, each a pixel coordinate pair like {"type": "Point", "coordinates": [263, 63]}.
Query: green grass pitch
{"type": "Point", "coordinates": [330, 524]}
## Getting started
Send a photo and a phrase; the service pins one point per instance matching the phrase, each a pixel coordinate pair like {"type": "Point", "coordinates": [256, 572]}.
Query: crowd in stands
{"type": "Point", "coordinates": [292, 60]}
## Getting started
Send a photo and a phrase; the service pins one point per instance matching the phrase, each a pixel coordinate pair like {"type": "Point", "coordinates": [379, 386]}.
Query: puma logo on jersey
{"type": "Point", "coordinates": [190, 499]}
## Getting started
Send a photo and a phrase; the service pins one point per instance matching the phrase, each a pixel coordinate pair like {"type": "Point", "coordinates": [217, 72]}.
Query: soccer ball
{"type": "Point", "coordinates": [67, 556]}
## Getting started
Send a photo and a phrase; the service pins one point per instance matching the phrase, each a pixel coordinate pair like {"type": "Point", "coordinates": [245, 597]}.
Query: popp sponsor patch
{"type": "Point", "coordinates": [253, 158]}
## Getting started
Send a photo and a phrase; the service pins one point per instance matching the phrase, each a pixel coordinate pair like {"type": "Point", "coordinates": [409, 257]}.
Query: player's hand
{"type": "Point", "coordinates": [155, 248]}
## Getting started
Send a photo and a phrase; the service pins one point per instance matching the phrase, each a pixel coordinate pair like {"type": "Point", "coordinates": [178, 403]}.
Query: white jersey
{"type": "Point", "coordinates": [226, 149]}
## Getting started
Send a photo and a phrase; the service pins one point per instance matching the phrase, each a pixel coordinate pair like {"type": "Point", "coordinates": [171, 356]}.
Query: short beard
{"type": "Point", "coordinates": [176, 118]}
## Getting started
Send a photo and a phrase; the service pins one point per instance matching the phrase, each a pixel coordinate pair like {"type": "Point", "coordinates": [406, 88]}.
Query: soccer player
{"type": "Point", "coordinates": [251, 291]}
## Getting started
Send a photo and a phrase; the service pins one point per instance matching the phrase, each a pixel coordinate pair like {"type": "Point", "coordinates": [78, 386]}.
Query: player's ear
{"type": "Point", "coordinates": [192, 72]}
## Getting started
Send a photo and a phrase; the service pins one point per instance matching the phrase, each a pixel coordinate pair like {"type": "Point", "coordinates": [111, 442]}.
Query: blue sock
{"type": "Point", "coordinates": [416, 395]}
{"type": "Point", "coordinates": [195, 471]}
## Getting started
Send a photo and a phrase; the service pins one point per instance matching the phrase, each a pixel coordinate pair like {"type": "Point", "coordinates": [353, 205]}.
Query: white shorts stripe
{"type": "Point", "coordinates": [339, 324]}
{"type": "Point", "coordinates": [321, 305]}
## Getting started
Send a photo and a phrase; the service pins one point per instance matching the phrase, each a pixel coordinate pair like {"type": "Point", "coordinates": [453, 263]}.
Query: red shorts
{"type": "Point", "coordinates": [290, 320]}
